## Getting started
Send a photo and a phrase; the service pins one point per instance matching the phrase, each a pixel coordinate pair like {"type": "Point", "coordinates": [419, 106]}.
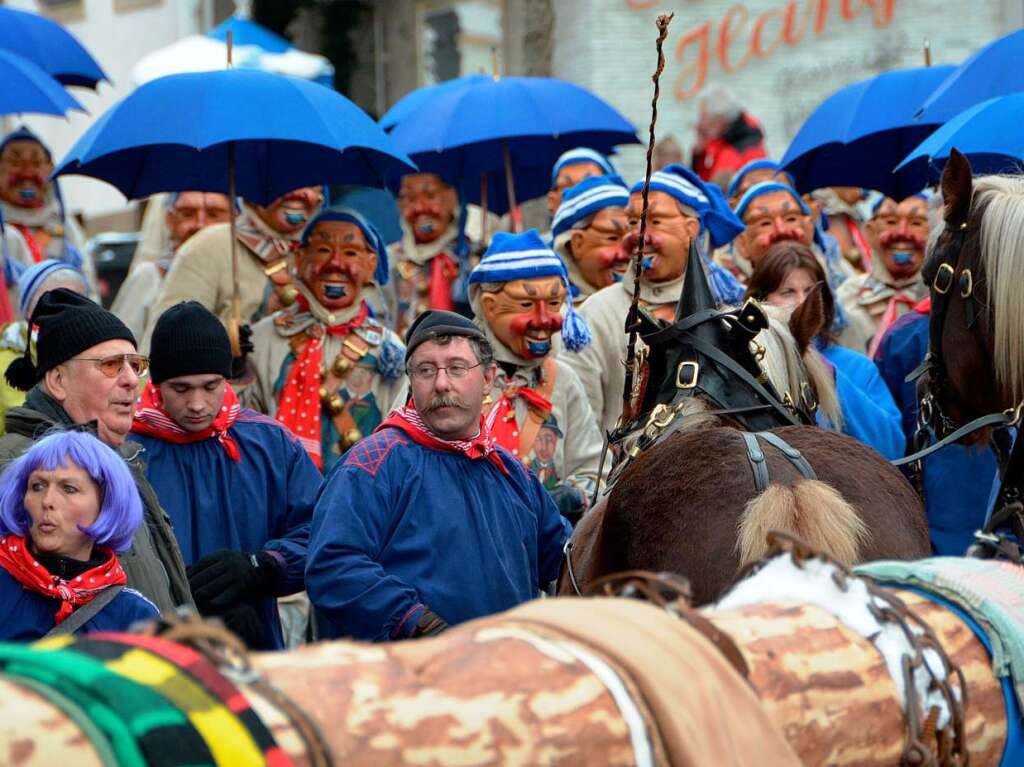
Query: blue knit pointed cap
{"type": "Point", "coordinates": [526, 257]}
{"type": "Point", "coordinates": [706, 200]}
{"type": "Point", "coordinates": [578, 156]}
{"type": "Point", "coordinates": [373, 238]}
{"type": "Point", "coordinates": [586, 198]}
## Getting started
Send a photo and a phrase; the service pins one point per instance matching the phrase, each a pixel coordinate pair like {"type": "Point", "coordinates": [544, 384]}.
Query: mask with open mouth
{"type": "Point", "coordinates": [427, 204]}
{"type": "Point", "coordinates": [24, 168]}
{"type": "Point", "coordinates": [336, 263]}
{"type": "Point", "coordinates": [525, 315]}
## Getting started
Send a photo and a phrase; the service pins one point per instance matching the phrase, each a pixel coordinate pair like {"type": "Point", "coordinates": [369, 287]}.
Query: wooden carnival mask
{"type": "Point", "coordinates": [427, 204]}
{"type": "Point", "coordinates": [24, 169]}
{"type": "Point", "coordinates": [668, 235]}
{"type": "Point", "coordinates": [290, 213]}
{"type": "Point", "coordinates": [525, 315]}
{"type": "Point", "coordinates": [336, 263]}
{"type": "Point", "coordinates": [898, 233]}
{"type": "Point", "coordinates": [597, 249]}
{"type": "Point", "coordinates": [770, 218]}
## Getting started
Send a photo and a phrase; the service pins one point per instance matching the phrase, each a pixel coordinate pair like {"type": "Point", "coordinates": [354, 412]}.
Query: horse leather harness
{"type": "Point", "coordinates": [759, 463]}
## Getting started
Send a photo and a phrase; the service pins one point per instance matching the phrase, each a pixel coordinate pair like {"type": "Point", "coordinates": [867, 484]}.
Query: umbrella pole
{"type": "Point", "coordinates": [510, 187]}
{"type": "Point", "coordinates": [927, 52]}
{"type": "Point", "coordinates": [483, 208]}
{"type": "Point", "coordinates": [235, 325]}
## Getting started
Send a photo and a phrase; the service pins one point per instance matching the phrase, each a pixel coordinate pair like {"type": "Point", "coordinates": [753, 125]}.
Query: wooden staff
{"type": "Point", "coordinates": [235, 325]}
{"type": "Point", "coordinates": [483, 208]}
{"type": "Point", "coordinates": [927, 53]}
{"type": "Point", "coordinates": [632, 319]}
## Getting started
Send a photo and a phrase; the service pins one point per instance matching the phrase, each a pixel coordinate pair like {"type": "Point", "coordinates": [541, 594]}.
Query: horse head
{"type": "Point", "coordinates": [974, 268]}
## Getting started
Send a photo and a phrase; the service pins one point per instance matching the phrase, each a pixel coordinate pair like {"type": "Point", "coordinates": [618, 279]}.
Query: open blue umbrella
{"type": "Point", "coordinates": [994, 70]}
{"type": "Point", "coordinates": [27, 88]}
{"type": "Point", "coordinates": [51, 47]}
{"type": "Point", "coordinates": [413, 100]}
{"type": "Point", "coordinates": [511, 128]}
{"type": "Point", "coordinates": [986, 133]}
{"type": "Point", "coordinates": [861, 132]}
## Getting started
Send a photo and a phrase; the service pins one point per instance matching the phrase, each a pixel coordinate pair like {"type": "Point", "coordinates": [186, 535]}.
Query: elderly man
{"type": "Point", "coordinates": [588, 228]}
{"type": "Point", "coordinates": [325, 367]}
{"type": "Point", "coordinates": [427, 522]}
{"type": "Point", "coordinates": [237, 485]}
{"type": "Point", "coordinates": [727, 137]}
{"type": "Point", "coordinates": [571, 168]}
{"type": "Point", "coordinates": [898, 234]}
{"type": "Point", "coordinates": [267, 236]}
{"type": "Point", "coordinates": [517, 293]}
{"type": "Point", "coordinates": [680, 209]}
{"type": "Point", "coordinates": [187, 213]}
{"type": "Point", "coordinates": [86, 371]}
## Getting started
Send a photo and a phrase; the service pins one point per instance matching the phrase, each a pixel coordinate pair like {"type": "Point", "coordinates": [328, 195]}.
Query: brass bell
{"type": "Point", "coordinates": [349, 438]}
{"type": "Point", "coordinates": [288, 294]}
{"type": "Point", "coordinates": [341, 366]}
{"type": "Point", "coordinates": [325, 395]}
{"type": "Point", "coordinates": [423, 288]}
{"type": "Point", "coordinates": [335, 405]}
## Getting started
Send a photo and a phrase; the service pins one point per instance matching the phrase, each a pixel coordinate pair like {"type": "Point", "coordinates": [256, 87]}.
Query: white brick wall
{"type": "Point", "coordinates": [608, 46]}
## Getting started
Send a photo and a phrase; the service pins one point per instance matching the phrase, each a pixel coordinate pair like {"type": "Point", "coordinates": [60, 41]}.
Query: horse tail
{"type": "Point", "coordinates": [809, 509]}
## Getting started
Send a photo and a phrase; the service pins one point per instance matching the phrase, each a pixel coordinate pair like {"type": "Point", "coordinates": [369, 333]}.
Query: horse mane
{"type": "Point", "coordinates": [999, 200]}
{"type": "Point", "coordinates": [786, 369]}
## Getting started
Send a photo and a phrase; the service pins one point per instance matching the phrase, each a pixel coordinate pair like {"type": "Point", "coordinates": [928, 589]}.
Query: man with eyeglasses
{"type": "Point", "coordinates": [85, 375]}
{"type": "Point", "coordinates": [427, 523]}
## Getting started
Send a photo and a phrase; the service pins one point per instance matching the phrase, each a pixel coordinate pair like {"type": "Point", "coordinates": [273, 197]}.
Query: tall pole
{"type": "Point", "coordinates": [235, 325]}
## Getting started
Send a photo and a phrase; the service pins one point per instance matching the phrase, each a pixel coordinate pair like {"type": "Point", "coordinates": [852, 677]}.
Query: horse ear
{"type": "Point", "coordinates": [956, 188]}
{"type": "Point", "coordinates": [808, 319]}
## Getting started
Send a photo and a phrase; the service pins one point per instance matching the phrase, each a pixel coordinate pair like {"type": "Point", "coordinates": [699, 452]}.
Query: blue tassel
{"type": "Point", "coordinates": [575, 332]}
{"type": "Point", "coordinates": [391, 360]}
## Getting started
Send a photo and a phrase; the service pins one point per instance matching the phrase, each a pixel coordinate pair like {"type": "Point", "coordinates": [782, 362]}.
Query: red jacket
{"type": "Point", "coordinates": [742, 142]}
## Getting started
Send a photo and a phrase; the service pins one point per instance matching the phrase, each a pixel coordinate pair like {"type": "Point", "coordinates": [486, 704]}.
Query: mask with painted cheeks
{"type": "Point", "coordinates": [667, 237]}
{"type": "Point", "coordinates": [570, 176]}
{"type": "Point", "coordinates": [427, 204]}
{"type": "Point", "coordinates": [336, 263]}
{"type": "Point", "coordinates": [597, 248]}
{"type": "Point", "coordinates": [24, 169]}
{"type": "Point", "coordinates": [770, 218]}
{"type": "Point", "coordinates": [898, 232]}
{"type": "Point", "coordinates": [289, 213]}
{"type": "Point", "coordinates": [525, 315]}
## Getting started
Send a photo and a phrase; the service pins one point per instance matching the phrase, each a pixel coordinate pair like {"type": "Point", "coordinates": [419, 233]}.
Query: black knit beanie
{"type": "Point", "coordinates": [69, 324]}
{"type": "Point", "coordinates": [188, 340]}
{"type": "Point", "coordinates": [437, 322]}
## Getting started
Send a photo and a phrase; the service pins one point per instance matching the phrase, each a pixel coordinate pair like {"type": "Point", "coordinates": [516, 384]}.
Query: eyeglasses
{"type": "Point", "coordinates": [112, 365]}
{"type": "Point", "coordinates": [428, 372]}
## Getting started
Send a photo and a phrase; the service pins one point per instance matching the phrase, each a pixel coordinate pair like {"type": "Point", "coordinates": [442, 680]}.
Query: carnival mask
{"type": "Point", "coordinates": [667, 238]}
{"type": "Point", "coordinates": [771, 218]}
{"type": "Point", "coordinates": [427, 204]}
{"type": "Point", "coordinates": [290, 213]}
{"type": "Point", "coordinates": [193, 211]}
{"type": "Point", "coordinates": [525, 314]}
{"type": "Point", "coordinates": [570, 176]}
{"type": "Point", "coordinates": [898, 234]}
{"type": "Point", "coordinates": [597, 250]}
{"type": "Point", "coordinates": [752, 177]}
{"type": "Point", "coordinates": [24, 170]}
{"type": "Point", "coordinates": [336, 263]}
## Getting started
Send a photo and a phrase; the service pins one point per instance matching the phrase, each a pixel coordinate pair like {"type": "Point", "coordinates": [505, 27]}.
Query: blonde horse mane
{"type": "Point", "coordinates": [787, 370]}
{"type": "Point", "coordinates": [1002, 255]}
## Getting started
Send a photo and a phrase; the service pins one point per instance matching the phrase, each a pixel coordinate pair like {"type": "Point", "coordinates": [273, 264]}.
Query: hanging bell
{"type": "Point", "coordinates": [341, 366]}
{"type": "Point", "coordinates": [288, 294]}
{"type": "Point", "coordinates": [349, 438]}
{"type": "Point", "coordinates": [325, 396]}
{"type": "Point", "coordinates": [335, 405]}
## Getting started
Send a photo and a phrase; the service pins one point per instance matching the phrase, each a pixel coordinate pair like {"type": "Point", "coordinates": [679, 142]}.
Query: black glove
{"type": "Point", "coordinates": [246, 346]}
{"type": "Point", "coordinates": [569, 500]}
{"type": "Point", "coordinates": [243, 621]}
{"type": "Point", "coordinates": [223, 578]}
{"type": "Point", "coordinates": [430, 624]}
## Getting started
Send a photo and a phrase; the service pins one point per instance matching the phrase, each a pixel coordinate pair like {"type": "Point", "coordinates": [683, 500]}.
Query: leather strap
{"type": "Point", "coordinates": [793, 455]}
{"type": "Point", "coordinates": [1005, 418]}
{"type": "Point", "coordinates": [758, 463]}
{"type": "Point", "coordinates": [534, 418]}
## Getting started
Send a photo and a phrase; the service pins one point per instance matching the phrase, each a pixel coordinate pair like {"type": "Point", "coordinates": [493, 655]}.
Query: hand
{"type": "Point", "coordinates": [245, 345]}
{"type": "Point", "coordinates": [243, 621]}
{"type": "Point", "coordinates": [570, 501]}
{"type": "Point", "coordinates": [222, 579]}
{"type": "Point", "coordinates": [430, 624]}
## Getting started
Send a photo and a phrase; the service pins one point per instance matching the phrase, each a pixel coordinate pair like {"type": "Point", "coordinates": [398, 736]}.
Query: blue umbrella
{"type": "Point", "coordinates": [859, 134]}
{"type": "Point", "coordinates": [51, 47]}
{"type": "Point", "coordinates": [985, 133]}
{"type": "Point", "coordinates": [174, 133]}
{"type": "Point", "coordinates": [991, 71]}
{"type": "Point", "coordinates": [27, 88]}
{"type": "Point", "coordinates": [412, 101]}
{"type": "Point", "coordinates": [510, 131]}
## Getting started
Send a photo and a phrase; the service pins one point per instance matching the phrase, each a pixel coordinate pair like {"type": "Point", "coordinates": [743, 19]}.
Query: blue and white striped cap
{"type": "Point", "coordinates": [768, 187]}
{"type": "Point", "coordinates": [761, 164]}
{"type": "Point", "coordinates": [525, 256]}
{"type": "Point", "coordinates": [581, 155]}
{"type": "Point", "coordinates": [587, 198]}
{"type": "Point", "coordinates": [33, 278]}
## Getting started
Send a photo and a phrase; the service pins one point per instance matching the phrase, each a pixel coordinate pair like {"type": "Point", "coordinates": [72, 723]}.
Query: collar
{"type": "Point", "coordinates": [655, 293]}
{"type": "Point", "coordinates": [881, 273]}
{"type": "Point", "coordinates": [420, 253]}
{"type": "Point", "coordinates": [408, 421]}
{"type": "Point", "coordinates": [317, 312]}
{"type": "Point", "coordinates": [34, 218]}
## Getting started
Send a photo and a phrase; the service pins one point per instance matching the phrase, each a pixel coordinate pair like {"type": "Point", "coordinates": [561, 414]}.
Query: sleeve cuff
{"type": "Point", "coordinates": [407, 626]}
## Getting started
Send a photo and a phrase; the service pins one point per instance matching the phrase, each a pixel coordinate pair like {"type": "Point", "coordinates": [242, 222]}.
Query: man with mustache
{"type": "Point", "coordinates": [898, 234]}
{"type": "Point", "coordinates": [267, 237]}
{"type": "Point", "coordinates": [587, 232]}
{"type": "Point", "coordinates": [517, 293]}
{"type": "Point", "coordinates": [237, 485]}
{"type": "Point", "coordinates": [325, 367]}
{"type": "Point", "coordinates": [187, 213]}
{"type": "Point", "coordinates": [427, 522]}
{"type": "Point", "coordinates": [681, 208]}
{"type": "Point", "coordinates": [32, 204]}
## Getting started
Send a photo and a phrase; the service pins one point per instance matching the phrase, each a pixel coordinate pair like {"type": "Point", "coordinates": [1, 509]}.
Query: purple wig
{"type": "Point", "coordinates": [120, 506]}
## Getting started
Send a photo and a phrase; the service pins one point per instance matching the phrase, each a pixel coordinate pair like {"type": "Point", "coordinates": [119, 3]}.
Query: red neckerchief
{"type": "Point", "coordinates": [16, 559]}
{"type": "Point", "coordinates": [407, 420]}
{"type": "Point", "coordinates": [298, 406]}
{"type": "Point", "coordinates": [857, 237]}
{"type": "Point", "coordinates": [151, 420]}
{"type": "Point", "coordinates": [892, 311]}
{"type": "Point", "coordinates": [924, 306]}
{"type": "Point", "coordinates": [501, 420]}
{"type": "Point", "coordinates": [33, 245]}
{"type": "Point", "coordinates": [443, 271]}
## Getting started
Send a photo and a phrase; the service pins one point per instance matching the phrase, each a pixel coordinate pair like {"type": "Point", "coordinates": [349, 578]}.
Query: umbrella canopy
{"type": "Point", "coordinates": [413, 100]}
{"type": "Point", "coordinates": [50, 47]}
{"type": "Point", "coordinates": [253, 47]}
{"type": "Point", "coordinates": [465, 132]}
{"type": "Point", "coordinates": [173, 133]}
{"type": "Point", "coordinates": [991, 71]}
{"type": "Point", "coordinates": [861, 132]}
{"type": "Point", "coordinates": [981, 133]}
{"type": "Point", "coordinates": [27, 88]}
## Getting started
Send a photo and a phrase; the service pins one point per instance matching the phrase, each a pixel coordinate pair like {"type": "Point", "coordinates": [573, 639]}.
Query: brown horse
{"type": "Point", "coordinates": [689, 502]}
